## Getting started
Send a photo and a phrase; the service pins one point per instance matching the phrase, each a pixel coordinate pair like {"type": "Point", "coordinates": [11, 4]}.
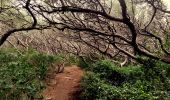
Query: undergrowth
{"type": "Point", "coordinates": [21, 75]}
{"type": "Point", "coordinates": [106, 81]}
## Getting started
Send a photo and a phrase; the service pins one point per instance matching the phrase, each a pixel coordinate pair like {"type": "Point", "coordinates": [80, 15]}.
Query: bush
{"type": "Point", "coordinates": [72, 59]}
{"type": "Point", "coordinates": [21, 75]}
{"type": "Point", "coordinates": [85, 62]}
{"type": "Point", "coordinates": [114, 74]}
{"type": "Point", "coordinates": [95, 89]}
{"type": "Point", "coordinates": [150, 81]}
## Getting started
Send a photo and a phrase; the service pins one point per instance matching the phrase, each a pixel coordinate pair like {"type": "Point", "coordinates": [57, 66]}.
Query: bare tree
{"type": "Point", "coordinates": [110, 26]}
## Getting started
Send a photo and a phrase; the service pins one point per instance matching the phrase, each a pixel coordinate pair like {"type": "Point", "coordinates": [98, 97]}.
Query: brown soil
{"type": "Point", "coordinates": [64, 86]}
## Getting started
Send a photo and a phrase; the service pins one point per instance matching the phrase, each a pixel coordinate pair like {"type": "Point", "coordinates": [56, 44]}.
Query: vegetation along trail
{"type": "Point", "coordinates": [64, 86]}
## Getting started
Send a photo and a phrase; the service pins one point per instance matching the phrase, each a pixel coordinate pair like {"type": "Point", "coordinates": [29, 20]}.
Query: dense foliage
{"type": "Point", "coordinates": [106, 81]}
{"type": "Point", "coordinates": [21, 75]}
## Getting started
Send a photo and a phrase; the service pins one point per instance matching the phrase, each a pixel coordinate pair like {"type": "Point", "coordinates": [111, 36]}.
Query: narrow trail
{"type": "Point", "coordinates": [64, 86]}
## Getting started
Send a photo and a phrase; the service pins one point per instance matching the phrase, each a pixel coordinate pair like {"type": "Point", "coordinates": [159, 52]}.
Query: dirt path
{"type": "Point", "coordinates": [64, 86]}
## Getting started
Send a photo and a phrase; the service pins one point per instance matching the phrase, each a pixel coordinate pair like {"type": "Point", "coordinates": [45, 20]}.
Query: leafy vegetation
{"type": "Point", "coordinates": [21, 75]}
{"type": "Point", "coordinates": [106, 81]}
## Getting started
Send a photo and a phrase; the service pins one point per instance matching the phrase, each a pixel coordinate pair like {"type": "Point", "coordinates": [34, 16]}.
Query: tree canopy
{"type": "Point", "coordinates": [131, 27]}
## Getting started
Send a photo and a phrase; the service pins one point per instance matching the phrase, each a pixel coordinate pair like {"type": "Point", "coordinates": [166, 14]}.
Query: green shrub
{"type": "Point", "coordinates": [72, 59]}
{"type": "Point", "coordinates": [95, 89]}
{"type": "Point", "coordinates": [21, 75]}
{"type": "Point", "coordinates": [116, 75]}
{"type": "Point", "coordinates": [85, 62]}
{"type": "Point", "coordinates": [149, 81]}
{"type": "Point", "coordinates": [104, 66]}
{"type": "Point", "coordinates": [67, 59]}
